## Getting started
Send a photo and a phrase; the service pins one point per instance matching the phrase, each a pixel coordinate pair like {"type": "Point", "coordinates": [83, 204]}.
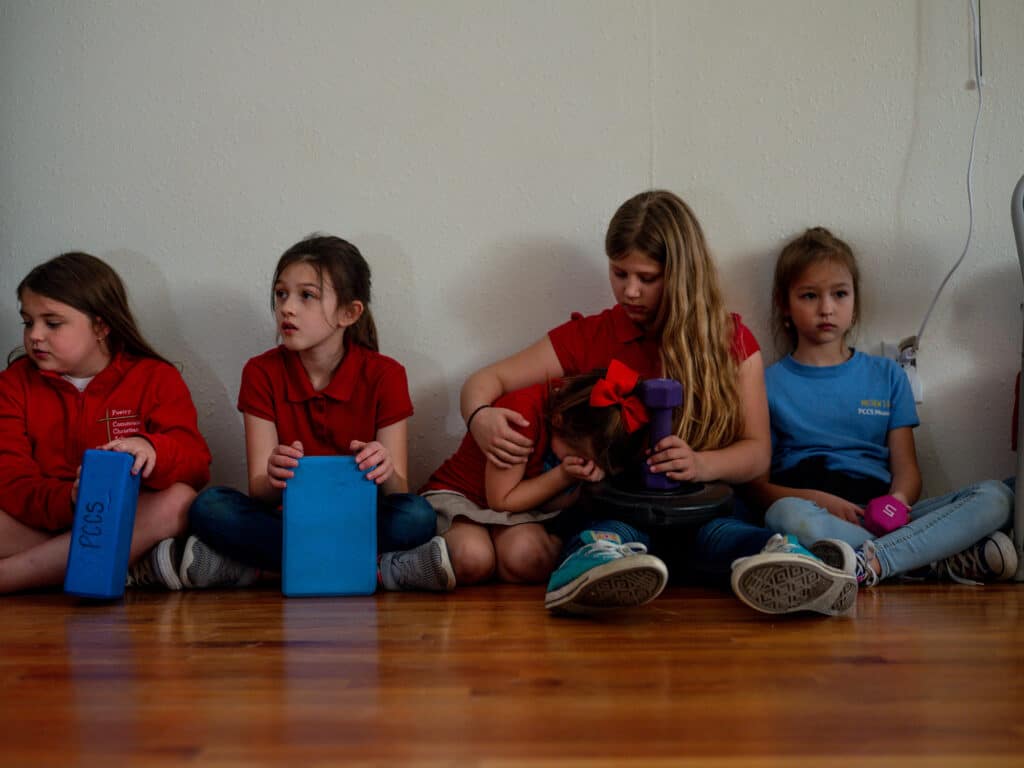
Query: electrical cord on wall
{"type": "Point", "coordinates": [908, 347]}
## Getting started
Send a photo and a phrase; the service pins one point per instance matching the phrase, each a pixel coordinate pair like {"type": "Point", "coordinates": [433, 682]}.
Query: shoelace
{"type": "Point", "coordinates": [967, 562]}
{"type": "Point", "coordinates": [142, 574]}
{"type": "Point", "coordinates": [865, 573]}
{"type": "Point", "coordinates": [609, 549]}
{"type": "Point", "coordinates": [778, 543]}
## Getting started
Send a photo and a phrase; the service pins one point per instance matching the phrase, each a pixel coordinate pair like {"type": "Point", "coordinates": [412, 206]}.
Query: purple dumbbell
{"type": "Point", "coordinates": [660, 396]}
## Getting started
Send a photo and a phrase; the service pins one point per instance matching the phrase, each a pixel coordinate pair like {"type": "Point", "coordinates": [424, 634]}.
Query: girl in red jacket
{"type": "Point", "coordinates": [88, 379]}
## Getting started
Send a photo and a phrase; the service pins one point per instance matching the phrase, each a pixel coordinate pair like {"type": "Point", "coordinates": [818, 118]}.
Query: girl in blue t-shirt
{"type": "Point", "coordinates": [843, 453]}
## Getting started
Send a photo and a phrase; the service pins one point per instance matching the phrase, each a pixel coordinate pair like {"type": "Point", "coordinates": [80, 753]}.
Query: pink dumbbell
{"type": "Point", "coordinates": [885, 514]}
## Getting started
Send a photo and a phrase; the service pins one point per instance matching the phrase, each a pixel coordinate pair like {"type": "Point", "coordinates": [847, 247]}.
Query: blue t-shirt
{"type": "Point", "coordinates": [843, 413]}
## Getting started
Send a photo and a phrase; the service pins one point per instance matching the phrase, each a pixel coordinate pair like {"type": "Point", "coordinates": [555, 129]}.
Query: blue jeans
{"type": "Point", "coordinates": [252, 532]}
{"type": "Point", "coordinates": [706, 559]}
{"type": "Point", "coordinates": [938, 527]}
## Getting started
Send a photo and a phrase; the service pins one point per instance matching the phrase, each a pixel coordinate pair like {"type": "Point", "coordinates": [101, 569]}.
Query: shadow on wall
{"type": "Point", "coordinates": [747, 286]}
{"type": "Point", "coordinates": [514, 293]}
{"type": "Point", "coordinates": [987, 300]}
{"type": "Point", "coordinates": [966, 415]}
{"type": "Point", "coordinates": [507, 297]}
{"type": "Point", "coordinates": [405, 335]}
{"type": "Point", "coordinates": [517, 291]}
{"type": "Point", "coordinates": [231, 319]}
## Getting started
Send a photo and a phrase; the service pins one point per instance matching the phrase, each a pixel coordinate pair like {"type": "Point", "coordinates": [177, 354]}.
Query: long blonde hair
{"type": "Point", "coordinates": [694, 327]}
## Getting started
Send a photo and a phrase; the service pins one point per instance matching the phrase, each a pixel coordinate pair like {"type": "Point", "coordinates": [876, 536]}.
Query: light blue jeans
{"type": "Point", "coordinates": [938, 527]}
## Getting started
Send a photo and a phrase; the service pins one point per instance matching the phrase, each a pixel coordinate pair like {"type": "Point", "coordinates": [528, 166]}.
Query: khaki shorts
{"type": "Point", "coordinates": [449, 505]}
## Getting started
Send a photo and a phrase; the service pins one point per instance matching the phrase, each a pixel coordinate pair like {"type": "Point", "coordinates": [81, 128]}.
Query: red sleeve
{"type": "Point", "coordinates": [569, 340]}
{"type": "Point", "coordinates": [29, 496]}
{"type": "Point", "coordinates": [172, 427]}
{"type": "Point", "coordinates": [528, 403]}
{"type": "Point", "coordinates": [393, 401]}
{"type": "Point", "coordinates": [256, 394]}
{"type": "Point", "coordinates": [743, 342]}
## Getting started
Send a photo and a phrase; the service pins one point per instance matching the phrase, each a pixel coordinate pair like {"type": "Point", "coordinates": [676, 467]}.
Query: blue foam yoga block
{"type": "Point", "coordinates": [101, 535]}
{"type": "Point", "coordinates": [330, 529]}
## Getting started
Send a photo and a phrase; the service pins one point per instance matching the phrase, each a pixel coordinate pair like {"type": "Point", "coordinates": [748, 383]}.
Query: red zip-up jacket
{"type": "Point", "coordinates": [46, 424]}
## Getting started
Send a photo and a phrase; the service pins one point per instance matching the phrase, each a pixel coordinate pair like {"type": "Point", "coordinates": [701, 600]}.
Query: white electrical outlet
{"type": "Point", "coordinates": [907, 359]}
{"type": "Point", "coordinates": [904, 354]}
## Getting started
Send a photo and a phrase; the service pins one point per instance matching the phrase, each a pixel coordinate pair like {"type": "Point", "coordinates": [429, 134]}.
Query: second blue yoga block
{"type": "Point", "coordinates": [101, 535]}
{"type": "Point", "coordinates": [330, 529]}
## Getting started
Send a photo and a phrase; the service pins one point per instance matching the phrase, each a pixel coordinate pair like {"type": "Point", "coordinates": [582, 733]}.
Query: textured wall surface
{"type": "Point", "coordinates": [475, 152]}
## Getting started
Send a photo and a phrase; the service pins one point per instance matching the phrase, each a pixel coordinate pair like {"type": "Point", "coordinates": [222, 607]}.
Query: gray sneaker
{"type": "Point", "coordinates": [993, 558]}
{"type": "Point", "coordinates": [202, 567]}
{"type": "Point", "coordinates": [426, 568]}
{"type": "Point", "coordinates": [157, 568]}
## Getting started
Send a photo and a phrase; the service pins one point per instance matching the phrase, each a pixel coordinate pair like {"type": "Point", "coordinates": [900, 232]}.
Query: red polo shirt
{"type": "Point", "coordinates": [586, 343]}
{"type": "Point", "coordinates": [46, 424]}
{"type": "Point", "coordinates": [367, 392]}
{"type": "Point", "coordinates": [464, 471]}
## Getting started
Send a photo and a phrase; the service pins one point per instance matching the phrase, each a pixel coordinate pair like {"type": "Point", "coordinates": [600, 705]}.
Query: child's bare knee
{"type": "Point", "coordinates": [526, 560]}
{"type": "Point", "coordinates": [168, 510]}
{"type": "Point", "coordinates": [473, 561]}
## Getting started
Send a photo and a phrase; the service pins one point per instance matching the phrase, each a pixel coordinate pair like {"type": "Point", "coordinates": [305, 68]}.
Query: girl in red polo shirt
{"type": "Point", "coordinates": [492, 517]}
{"type": "Point", "coordinates": [88, 379]}
{"type": "Point", "coordinates": [325, 390]}
{"type": "Point", "coordinates": [670, 321]}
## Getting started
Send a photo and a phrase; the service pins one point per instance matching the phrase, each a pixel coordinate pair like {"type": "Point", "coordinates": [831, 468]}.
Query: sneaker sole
{"type": "Point", "coordinates": [446, 564]}
{"type": "Point", "coordinates": [794, 584]}
{"type": "Point", "coordinates": [835, 553]}
{"type": "Point", "coordinates": [165, 565]}
{"type": "Point", "coordinates": [624, 583]}
{"type": "Point", "coordinates": [186, 562]}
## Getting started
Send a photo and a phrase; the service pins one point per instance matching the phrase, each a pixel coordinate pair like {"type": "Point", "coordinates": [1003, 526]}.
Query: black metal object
{"type": "Point", "coordinates": [689, 506]}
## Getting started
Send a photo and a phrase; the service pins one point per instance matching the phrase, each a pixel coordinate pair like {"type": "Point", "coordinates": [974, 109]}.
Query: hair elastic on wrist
{"type": "Point", "coordinates": [475, 412]}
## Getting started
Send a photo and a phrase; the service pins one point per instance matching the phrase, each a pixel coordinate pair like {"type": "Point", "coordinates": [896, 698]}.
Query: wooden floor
{"type": "Point", "coordinates": [921, 676]}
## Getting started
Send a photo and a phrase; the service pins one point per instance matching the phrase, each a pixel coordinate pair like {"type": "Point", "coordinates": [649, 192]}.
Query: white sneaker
{"type": "Point", "coordinates": [786, 578]}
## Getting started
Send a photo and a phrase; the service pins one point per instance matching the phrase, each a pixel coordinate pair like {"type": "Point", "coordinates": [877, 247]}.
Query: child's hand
{"type": "Point", "coordinates": [840, 507]}
{"type": "Point", "coordinates": [501, 444]}
{"type": "Point", "coordinates": [677, 460]}
{"type": "Point", "coordinates": [140, 448]}
{"type": "Point", "coordinates": [373, 455]}
{"type": "Point", "coordinates": [582, 469]}
{"type": "Point", "coordinates": [281, 462]}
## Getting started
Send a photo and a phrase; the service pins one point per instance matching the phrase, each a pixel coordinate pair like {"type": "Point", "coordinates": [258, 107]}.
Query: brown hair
{"type": "Point", "coordinates": [570, 415]}
{"type": "Point", "coordinates": [815, 245]}
{"type": "Point", "coordinates": [695, 329]}
{"type": "Point", "coordinates": [91, 286]}
{"type": "Point", "coordinates": [348, 272]}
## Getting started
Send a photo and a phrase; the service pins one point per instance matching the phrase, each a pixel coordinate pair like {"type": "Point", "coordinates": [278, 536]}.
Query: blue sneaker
{"type": "Point", "coordinates": [785, 578]}
{"type": "Point", "coordinates": [605, 574]}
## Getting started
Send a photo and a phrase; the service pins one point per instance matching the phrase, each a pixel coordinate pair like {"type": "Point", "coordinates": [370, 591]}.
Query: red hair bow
{"type": "Point", "coordinates": [614, 389]}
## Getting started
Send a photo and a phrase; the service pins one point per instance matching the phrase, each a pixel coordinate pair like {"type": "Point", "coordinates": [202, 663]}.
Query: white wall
{"type": "Point", "coordinates": [475, 151]}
